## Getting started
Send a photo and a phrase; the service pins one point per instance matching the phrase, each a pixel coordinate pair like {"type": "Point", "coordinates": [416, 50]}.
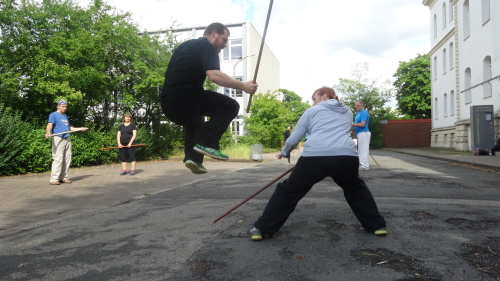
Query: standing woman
{"type": "Point", "coordinates": [328, 152]}
{"type": "Point", "coordinates": [125, 138]}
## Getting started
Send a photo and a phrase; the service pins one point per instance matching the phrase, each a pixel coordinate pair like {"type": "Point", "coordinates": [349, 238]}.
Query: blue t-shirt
{"type": "Point", "coordinates": [362, 116]}
{"type": "Point", "coordinates": [61, 123]}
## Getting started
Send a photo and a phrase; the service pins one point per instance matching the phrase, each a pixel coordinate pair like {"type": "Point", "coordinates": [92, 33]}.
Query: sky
{"type": "Point", "coordinates": [316, 41]}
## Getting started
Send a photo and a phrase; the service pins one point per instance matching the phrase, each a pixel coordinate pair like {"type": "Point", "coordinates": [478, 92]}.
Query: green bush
{"type": "Point", "coordinates": [85, 148]}
{"type": "Point", "coordinates": [160, 144]}
{"type": "Point", "coordinates": [36, 156]}
{"type": "Point", "coordinates": [12, 130]}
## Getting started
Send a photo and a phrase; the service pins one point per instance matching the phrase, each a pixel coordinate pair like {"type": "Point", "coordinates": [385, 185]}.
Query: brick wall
{"type": "Point", "coordinates": [406, 133]}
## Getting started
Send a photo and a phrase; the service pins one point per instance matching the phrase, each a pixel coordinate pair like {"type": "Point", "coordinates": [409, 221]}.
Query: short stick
{"type": "Point", "coordinates": [374, 160]}
{"type": "Point", "coordinates": [253, 195]}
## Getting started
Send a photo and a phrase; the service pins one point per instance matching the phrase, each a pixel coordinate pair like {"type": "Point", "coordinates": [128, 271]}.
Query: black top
{"type": "Point", "coordinates": [126, 133]}
{"type": "Point", "coordinates": [188, 65]}
{"type": "Point", "coordinates": [287, 134]}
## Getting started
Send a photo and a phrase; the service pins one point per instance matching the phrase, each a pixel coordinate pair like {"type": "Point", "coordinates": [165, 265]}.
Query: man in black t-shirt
{"type": "Point", "coordinates": [186, 103]}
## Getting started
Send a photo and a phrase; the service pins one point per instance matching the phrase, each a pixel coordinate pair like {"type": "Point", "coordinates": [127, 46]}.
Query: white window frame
{"type": "Point", "coordinates": [435, 26]}
{"type": "Point", "coordinates": [436, 108]}
{"type": "Point", "coordinates": [435, 68]}
{"type": "Point", "coordinates": [487, 91]}
{"type": "Point", "coordinates": [467, 85]}
{"type": "Point", "coordinates": [451, 10]}
{"type": "Point", "coordinates": [452, 103]}
{"type": "Point", "coordinates": [227, 52]}
{"type": "Point", "coordinates": [444, 15]}
{"type": "Point", "coordinates": [445, 105]}
{"type": "Point", "coordinates": [444, 61]}
{"type": "Point", "coordinates": [466, 20]}
{"type": "Point", "coordinates": [486, 10]}
{"type": "Point", "coordinates": [452, 56]}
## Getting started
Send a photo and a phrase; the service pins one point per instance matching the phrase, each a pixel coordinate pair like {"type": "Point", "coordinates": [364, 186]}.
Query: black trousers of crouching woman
{"type": "Point", "coordinates": [311, 170]}
{"type": "Point", "coordinates": [188, 108]}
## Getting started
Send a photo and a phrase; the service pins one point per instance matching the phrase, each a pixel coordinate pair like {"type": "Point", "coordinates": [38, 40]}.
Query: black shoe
{"type": "Point", "coordinates": [123, 173]}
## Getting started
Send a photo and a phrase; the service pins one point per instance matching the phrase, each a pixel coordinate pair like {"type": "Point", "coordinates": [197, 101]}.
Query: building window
{"type": "Point", "coordinates": [435, 26]}
{"type": "Point", "coordinates": [452, 103]}
{"type": "Point", "coordinates": [467, 85]}
{"type": "Point", "coordinates": [445, 105]}
{"type": "Point", "coordinates": [233, 51]}
{"type": "Point", "coordinates": [444, 15]}
{"type": "Point", "coordinates": [231, 92]}
{"type": "Point", "coordinates": [487, 76]}
{"type": "Point", "coordinates": [466, 20]}
{"type": "Point", "coordinates": [435, 68]}
{"type": "Point", "coordinates": [451, 10]}
{"type": "Point", "coordinates": [444, 61]}
{"type": "Point", "coordinates": [452, 61]}
{"type": "Point", "coordinates": [436, 107]}
{"type": "Point", "coordinates": [486, 10]}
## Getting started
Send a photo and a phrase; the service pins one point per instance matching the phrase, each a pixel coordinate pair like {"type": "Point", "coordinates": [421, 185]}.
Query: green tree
{"type": "Point", "coordinates": [413, 87]}
{"type": "Point", "coordinates": [94, 57]}
{"type": "Point", "coordinates": [374, 96]}
{"type": "Point", "coordinates": [294, 103]}
{"type": "Point", "coordinates": [268, 119]}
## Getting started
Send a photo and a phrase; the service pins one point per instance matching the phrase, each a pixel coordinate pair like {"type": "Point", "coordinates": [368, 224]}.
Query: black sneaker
{"type": "Point", "coordinates": [132, 173]}
{"type": "Point", "coordinates": [123, 173]}
{"type": "Point", "coordinates": [212, 152]}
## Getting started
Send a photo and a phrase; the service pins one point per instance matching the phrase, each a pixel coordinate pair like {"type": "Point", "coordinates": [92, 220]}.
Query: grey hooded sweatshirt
{"type": "Point", "coordinates": [329, 126]}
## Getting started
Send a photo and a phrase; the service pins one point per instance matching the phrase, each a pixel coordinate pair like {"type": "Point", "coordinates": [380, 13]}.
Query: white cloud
{"type": "Point", "coordinates": [316, 41]}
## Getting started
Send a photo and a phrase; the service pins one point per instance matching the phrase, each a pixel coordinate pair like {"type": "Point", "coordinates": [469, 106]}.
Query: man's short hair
{"type": "Point", "coordinates": [218, 27]}
{"type": "Point", "coordinates": [360, 102]}
{"type": "Point", "coordinates": [62, 102]}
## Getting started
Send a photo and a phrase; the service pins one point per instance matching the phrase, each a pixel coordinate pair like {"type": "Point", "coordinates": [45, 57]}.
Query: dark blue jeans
{"type": "Point", "coordinates": [311, 170]}
{"type": "Point", "coordinates": [188, 108]}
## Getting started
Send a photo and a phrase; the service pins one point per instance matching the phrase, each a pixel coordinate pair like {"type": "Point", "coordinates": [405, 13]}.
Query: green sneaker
{"type": "Point", "coordinates": [255, 234]}
{"type": "Point", "coordinates": [195, 167]}
{"type": "Point", "coordinates": [212, 152]}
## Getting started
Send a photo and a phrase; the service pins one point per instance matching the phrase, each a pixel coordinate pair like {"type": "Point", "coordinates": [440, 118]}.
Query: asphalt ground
{"type": "Point", "coordinates": [442, 216]}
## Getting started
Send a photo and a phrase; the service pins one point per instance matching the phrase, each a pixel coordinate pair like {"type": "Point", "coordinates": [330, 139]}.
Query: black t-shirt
{"type": "Point", "coordinates": [126, 133]}
{"type": "Point", "coordinates": [188, 65]}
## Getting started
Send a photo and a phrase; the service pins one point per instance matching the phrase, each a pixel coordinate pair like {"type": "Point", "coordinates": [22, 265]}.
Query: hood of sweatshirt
{"type": "Point", "coordinates": [335, 105]}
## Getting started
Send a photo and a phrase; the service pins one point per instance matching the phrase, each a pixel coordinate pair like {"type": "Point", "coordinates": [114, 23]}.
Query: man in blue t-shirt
{"type": "Point", "coordinates": [363, 134]}
{"type": "Point", "coordinates": [61, 144]}
{"type": "Point", "coordinates": [186, 103]}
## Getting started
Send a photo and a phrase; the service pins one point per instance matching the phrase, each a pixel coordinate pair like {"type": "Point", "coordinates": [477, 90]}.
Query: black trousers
{"type": "Point", "coordinates": [127, 152]}
{"type": "Point", "coordinates": [310, 170]}
{"type": "Point", "coordinates": [187, 107]}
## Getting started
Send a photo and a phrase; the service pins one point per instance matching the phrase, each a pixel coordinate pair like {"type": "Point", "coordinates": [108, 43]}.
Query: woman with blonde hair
{"type": "Point", "coordinates": [125, 138]}
{"type": "Point", "coordinates": [328, 152]}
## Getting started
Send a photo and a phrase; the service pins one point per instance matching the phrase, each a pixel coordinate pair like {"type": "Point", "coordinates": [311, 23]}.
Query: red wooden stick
{"type": "Point", "coordinates": [253, 195]}
{"type": "Point", "coordinates": [119, 147]}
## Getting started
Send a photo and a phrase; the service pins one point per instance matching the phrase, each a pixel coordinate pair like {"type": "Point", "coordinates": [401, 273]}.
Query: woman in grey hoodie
{"type": "Point", "coordinates": [328, 152]}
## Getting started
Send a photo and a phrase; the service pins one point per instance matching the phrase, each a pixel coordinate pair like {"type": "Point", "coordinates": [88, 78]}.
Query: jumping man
{"type": "Point", "coordinates": [186, 103]}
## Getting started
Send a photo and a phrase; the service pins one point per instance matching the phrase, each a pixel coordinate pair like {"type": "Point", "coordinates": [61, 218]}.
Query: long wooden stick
{"type": "Point", "coordinates": [65, 133]}
{"type": "Point", "coordinates": [260, 52]}
{"type": "Point", "coordinates": [119, 147]}
{"type": "Point", "coordinates": [253, 195]}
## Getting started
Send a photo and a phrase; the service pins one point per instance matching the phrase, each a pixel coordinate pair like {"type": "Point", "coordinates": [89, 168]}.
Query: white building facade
{"type": "Point", "coordinates": [465, 67]}
{"type": "Point", "coordinates": [239, 60]}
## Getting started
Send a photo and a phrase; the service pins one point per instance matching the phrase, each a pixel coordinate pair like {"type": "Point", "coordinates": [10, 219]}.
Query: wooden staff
{"type": "Point", "coordinates": [77, 130]}
{"type": "Point", "coordinates": [260, 52]}
{"type": "Point", "coordinates": [253, 195]}
{"type": "Point", "coordinates": [119, 147]}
